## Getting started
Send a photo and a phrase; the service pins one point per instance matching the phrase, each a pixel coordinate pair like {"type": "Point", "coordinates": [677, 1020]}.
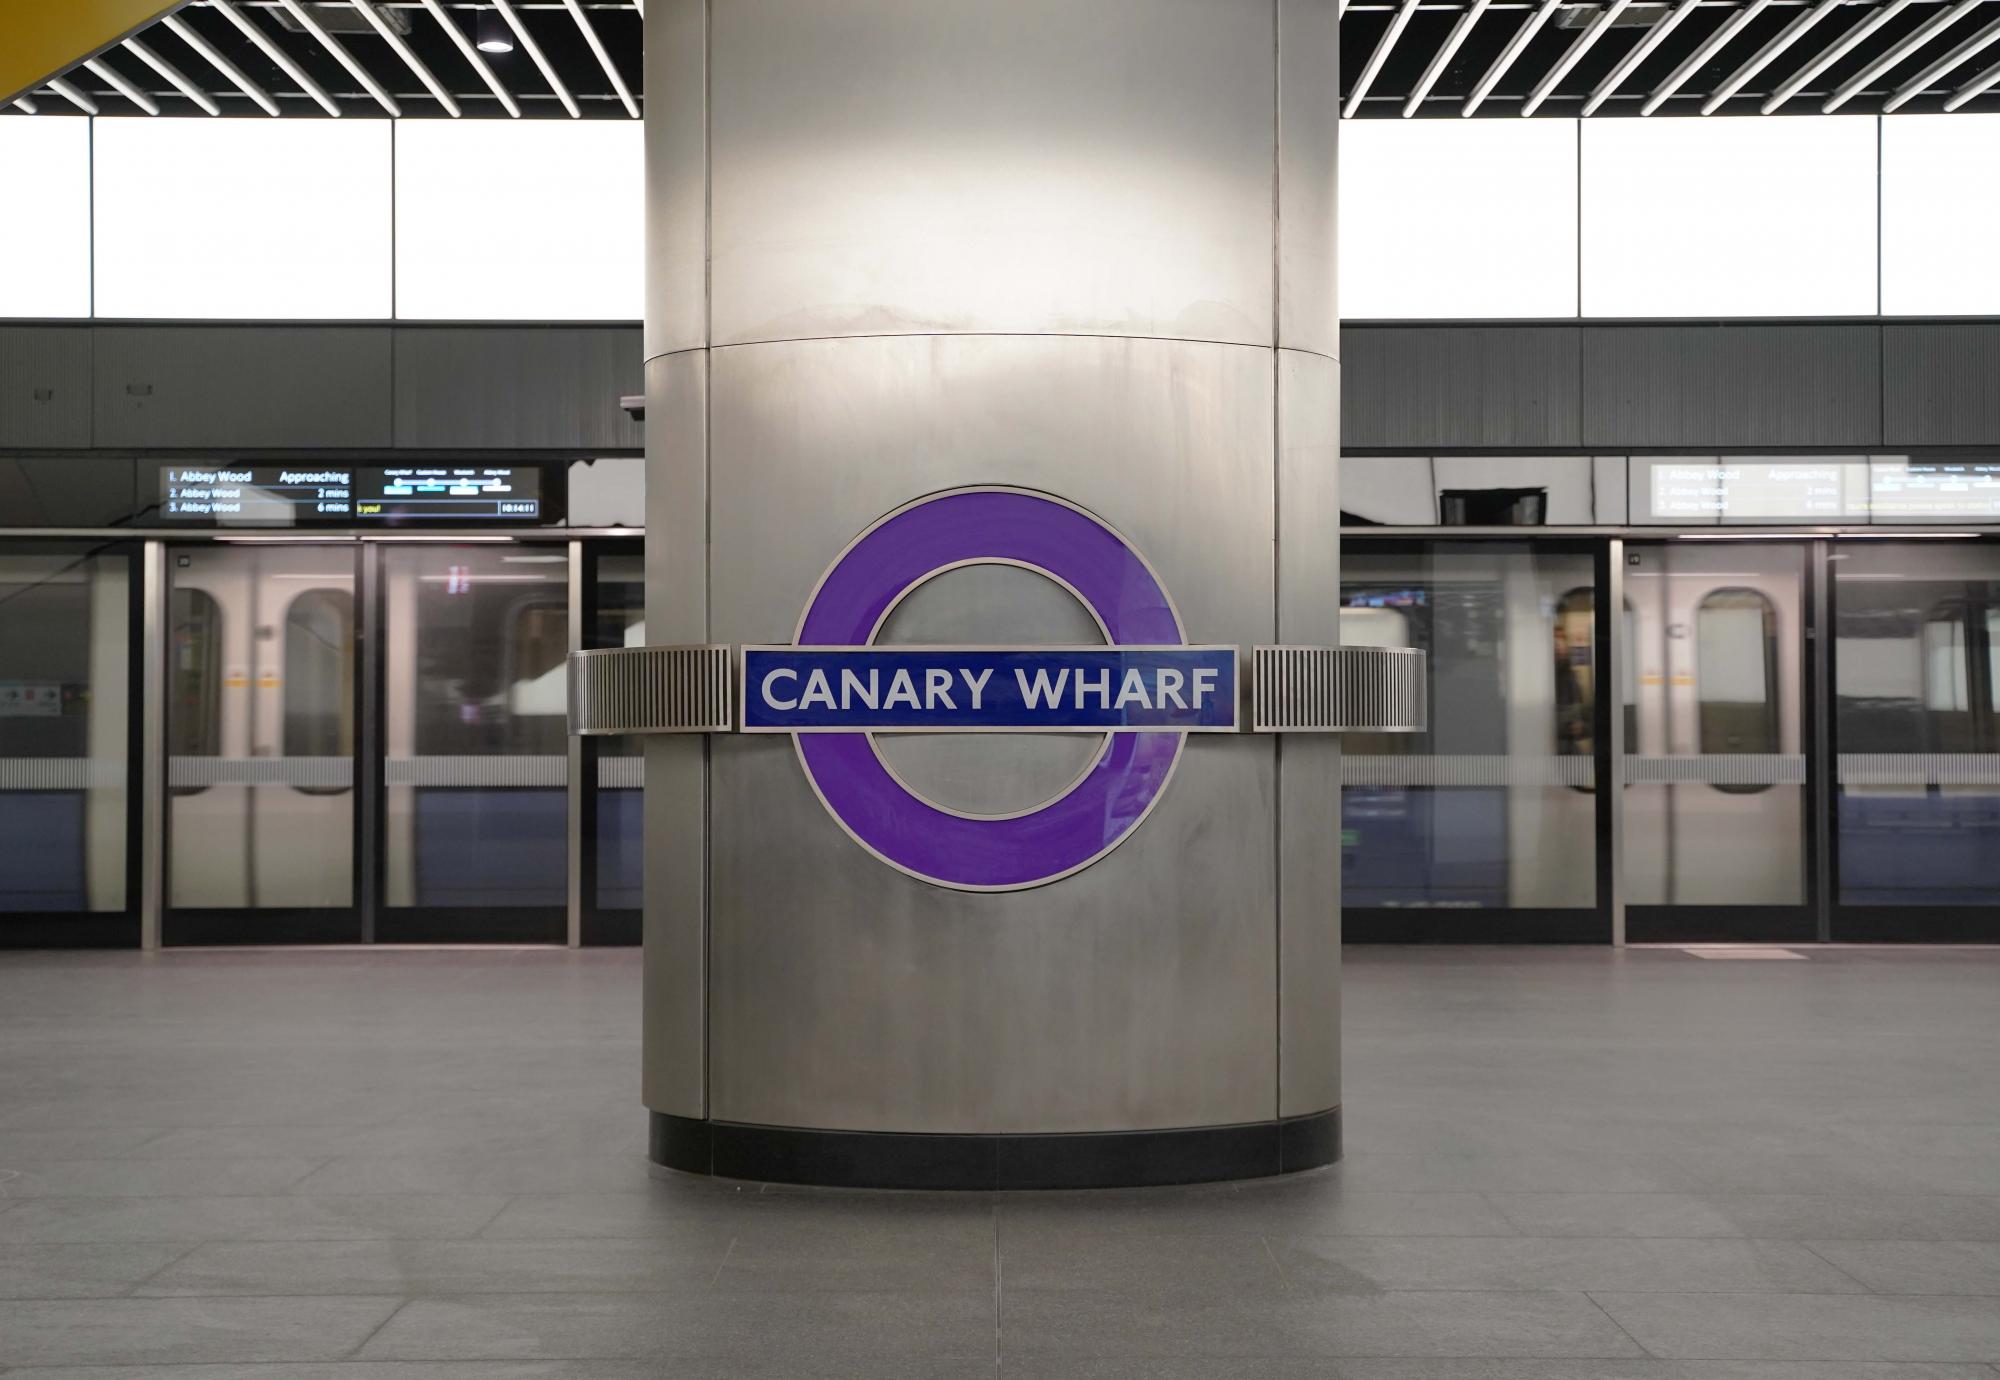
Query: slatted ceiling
{"type": "Point", "coordinates": [1693, 36]}
{"type": "Point", "coordinates": [1683, 34]}
{"type": "Point", "coordinates": [556, 26]}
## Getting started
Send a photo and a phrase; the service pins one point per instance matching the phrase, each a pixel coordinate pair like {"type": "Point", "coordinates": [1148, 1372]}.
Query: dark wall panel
{"type": "Point", "coordinates": [520, 386]}
{"type": "Point", "coordinates": [45, 386]}
{"type": "Point", "coordinates": [1751, 384]}
{"type": "Point", "coordinates": [242, 385]}
{"type": "Point", "coordinates": [1941, 383]}
{"type": "Point", "coordinates": [1443, 386]}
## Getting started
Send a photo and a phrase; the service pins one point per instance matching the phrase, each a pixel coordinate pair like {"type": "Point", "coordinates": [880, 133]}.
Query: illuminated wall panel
{"type": "Point", "coordinates": [242, 218]}
{"type": "Point", "coordinates": [45, 252]}
{"type": "Point", "coordinates": [1941, 215]}
{"type": "Point", "coordinates": [1457, 218]}
{"type": "Point", "coordinates": [1729, 217]}
{"type": "Point", "coordinates": [520, 220]}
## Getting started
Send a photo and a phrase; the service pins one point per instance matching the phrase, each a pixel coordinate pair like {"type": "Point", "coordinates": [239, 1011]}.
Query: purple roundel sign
{"type": "Point", "coordinates": [1059, 540]}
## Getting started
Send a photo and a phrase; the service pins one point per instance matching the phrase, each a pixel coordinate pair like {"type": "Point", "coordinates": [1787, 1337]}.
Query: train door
{"type": "Point", "coordinates": [1714, 665]}
{"type": "Point", "coordinates": [1916, 745]}
{"type": "Point", "coordinates": [261, 723]}
{"type": "Point", "coordinates": [474, 755]}
{"type": "Point", "coordinates": [68, 787]}
{"type": "Point", "coordinates": [613, 768]}
{"type": "Point", "coordinates": [1486, 827]}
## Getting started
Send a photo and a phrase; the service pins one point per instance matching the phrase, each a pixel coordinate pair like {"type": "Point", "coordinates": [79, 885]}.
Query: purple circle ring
{"type": "Point", "coordinates": [1063, 835]}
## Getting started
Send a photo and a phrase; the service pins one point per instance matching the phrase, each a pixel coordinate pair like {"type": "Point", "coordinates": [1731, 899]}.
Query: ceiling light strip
{"type": "Point", "coordinates": [603, 58]}
{"type": "Point", "coordinates": [1459, 31]}
{"type": "Point", "coordinates": [215, 59]}
{"type": "Point", "coordinates": [27, 104]}
{"type": "Point", "coordinates": [173, 74]}
{"type": "Point", "coordinates": [410, 59]}
{"type": "Point", "coordinates": [473, 56]}
{"type": "Point", "coordinates": [1978, 43]}
{"type": "Point", "coordinates": [1378, 57]}
{"type": "Point", "coordinates": [1931, 29]}
{"type": "Point", "coordinates": [72, 95]}
{"type": "Point", "coordinates": [1696, 60]}
{"type": "Point", "coordinates": [1655, 36]}
{"type": "Point", "coordinates": [1841, 47]}
{"type": "Point", "coordinates": [520, 28]}
{"type": "Point", "coordinates": [1787, 36]}
{"type": "Point", "coordinates": [276, 54]}
{"type": "Point", "coordinates": [123, 87]}
{"type": "Point", "coordinates": [342, 56]}
{"type": "Point", "coordinates": [1546, 87]}
{"type": "Point", "coordinates": [1531, 26]}
{"type": "Point", "coordinates": [1980, 84]}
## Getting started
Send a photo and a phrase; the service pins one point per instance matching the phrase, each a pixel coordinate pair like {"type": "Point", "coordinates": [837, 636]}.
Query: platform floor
{"type": "Point", "coordinates": [1563, 1165]}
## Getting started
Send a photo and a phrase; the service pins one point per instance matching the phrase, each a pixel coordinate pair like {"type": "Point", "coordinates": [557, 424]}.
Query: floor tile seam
{"type": "Point", "coordinates": [1598, 1304]}
{"type": "Point", "coordinates": [1547, 1290]}
{"type": "Point", "coordinates": [1284, 1277]}
{"type": "Point", "coordinates": [723, 1263]}
{"type": "Point", "coordinates": [213, 1298]}
{"type": "Point", "coordinates": [1064, 1354]}
{"type": "Point", "coordinates": [507, 1201]}
{"type": "Point", "coordinates": [999, 1280]}
{"type": "Point", "coordinates": [420, 1290]}
{"type": "Point", "coordinates": [131, 1152]}
{"type": "Point", "coordinates": [1808, 1246]}
{"type": "Point", "coordinates": [354, 1353]}
{"type": "Point", "coordinates": [1486, 1200]}
{"type": "Point", "coordinates": [132, 1289]}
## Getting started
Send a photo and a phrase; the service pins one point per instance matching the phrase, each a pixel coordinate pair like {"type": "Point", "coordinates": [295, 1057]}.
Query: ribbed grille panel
{"type": "Point", "coordinates": [1338, 689]}
{"type": "Point", "coordinates": [651, 690]}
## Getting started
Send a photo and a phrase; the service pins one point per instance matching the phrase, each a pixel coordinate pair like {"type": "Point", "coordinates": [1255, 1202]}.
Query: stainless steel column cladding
{"type": "Point", "coordinates": [901, 246]}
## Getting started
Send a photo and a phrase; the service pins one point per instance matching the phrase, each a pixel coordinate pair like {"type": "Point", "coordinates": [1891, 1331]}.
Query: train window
{"type": "Point", "coordinates": [1576, 700]}
{"type": "Point", "coordinates": [1945, 671]}
{"type": "Point", "coordinates": [1371, 627]}
{"type": "Point", "coordinates": [194, 727]}
{"type": "Point", "coordinates": [1736, 674]}
{"type": "Point", "coordinates": [1993, 659]}
{"type": "Point", "coordinates": [1628, 674]}
{"type": "Point", "coordinates": [537, 661]}
{"type": "Point", "coordinates": [319, 674]}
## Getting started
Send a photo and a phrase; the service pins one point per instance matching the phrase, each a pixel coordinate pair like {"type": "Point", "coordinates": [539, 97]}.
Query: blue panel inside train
{"type": "Point", "coordinates": [1932, 849]}
{"type": "Point", "coordinates": [1423, 847]}
{"type": "Point", "coordinates": [491, 847]}
{"type": "Point", "coordinates": [620, 849]}
{"type": "Point", "coordinates": [41, 850]}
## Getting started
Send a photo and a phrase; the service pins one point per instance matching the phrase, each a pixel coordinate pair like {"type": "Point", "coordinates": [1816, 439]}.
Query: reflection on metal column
{"type": "Point", "coordinates": [573, 810]}
{"type": "Point", "coordinates": [1611, 691]}
{"type": "Point", "coordinates": [152, 745]}
{"type": "Point", "coordinates": [368, 777]}
{"type": "Point", "coordinates": [1819, 654]}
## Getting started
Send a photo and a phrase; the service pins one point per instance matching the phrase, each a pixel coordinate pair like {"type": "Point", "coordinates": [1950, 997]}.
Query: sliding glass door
{"type": "Point", "coordinates": [68, 876]}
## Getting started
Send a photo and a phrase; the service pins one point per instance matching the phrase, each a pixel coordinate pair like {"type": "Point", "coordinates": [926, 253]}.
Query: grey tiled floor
{"type": "Point", "coordinates": [1563, 1165]}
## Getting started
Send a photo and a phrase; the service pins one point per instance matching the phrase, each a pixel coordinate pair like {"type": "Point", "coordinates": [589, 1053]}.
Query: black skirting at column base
{"type": "Point", "coordinates": [1103, 1159]}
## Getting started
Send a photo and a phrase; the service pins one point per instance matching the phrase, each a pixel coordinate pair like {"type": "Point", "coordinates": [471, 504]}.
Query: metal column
{"type": "Point", "coordinates": [1611, 685]}
{"type": "Point", "coordinates": [369, 770]}
{"type": "Point", "coordinates": [1820, 761]}
{"type": "Point", "coordinates": [152, 744]}
{"type": "Point", "coordinates": [573, 813]}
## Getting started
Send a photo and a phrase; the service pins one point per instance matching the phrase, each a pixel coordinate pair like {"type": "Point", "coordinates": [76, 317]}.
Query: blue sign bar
{"type": "Point", "coordinates": [988, 689]}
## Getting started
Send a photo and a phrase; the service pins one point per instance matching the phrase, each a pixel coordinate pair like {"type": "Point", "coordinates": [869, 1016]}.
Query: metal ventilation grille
{"type": "Point", "coordinates": [651, 690]}
{"type": "Point", "coordinates": [1339, 689]}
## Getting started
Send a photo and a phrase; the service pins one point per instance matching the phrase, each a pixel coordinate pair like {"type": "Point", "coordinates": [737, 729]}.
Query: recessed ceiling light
{"type": "Point", "coordinates": [494, 35]}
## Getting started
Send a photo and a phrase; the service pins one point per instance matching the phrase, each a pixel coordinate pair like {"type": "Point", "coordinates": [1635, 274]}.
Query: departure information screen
{"type": "Point", "coordinates": [1750, 490]}
{"type": "Point", "coordinates": [1827, 489]}
{"type": "Point", "coordinates": [258, 495]}
{"type": "Point", "coordinates": [1935, 490]}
